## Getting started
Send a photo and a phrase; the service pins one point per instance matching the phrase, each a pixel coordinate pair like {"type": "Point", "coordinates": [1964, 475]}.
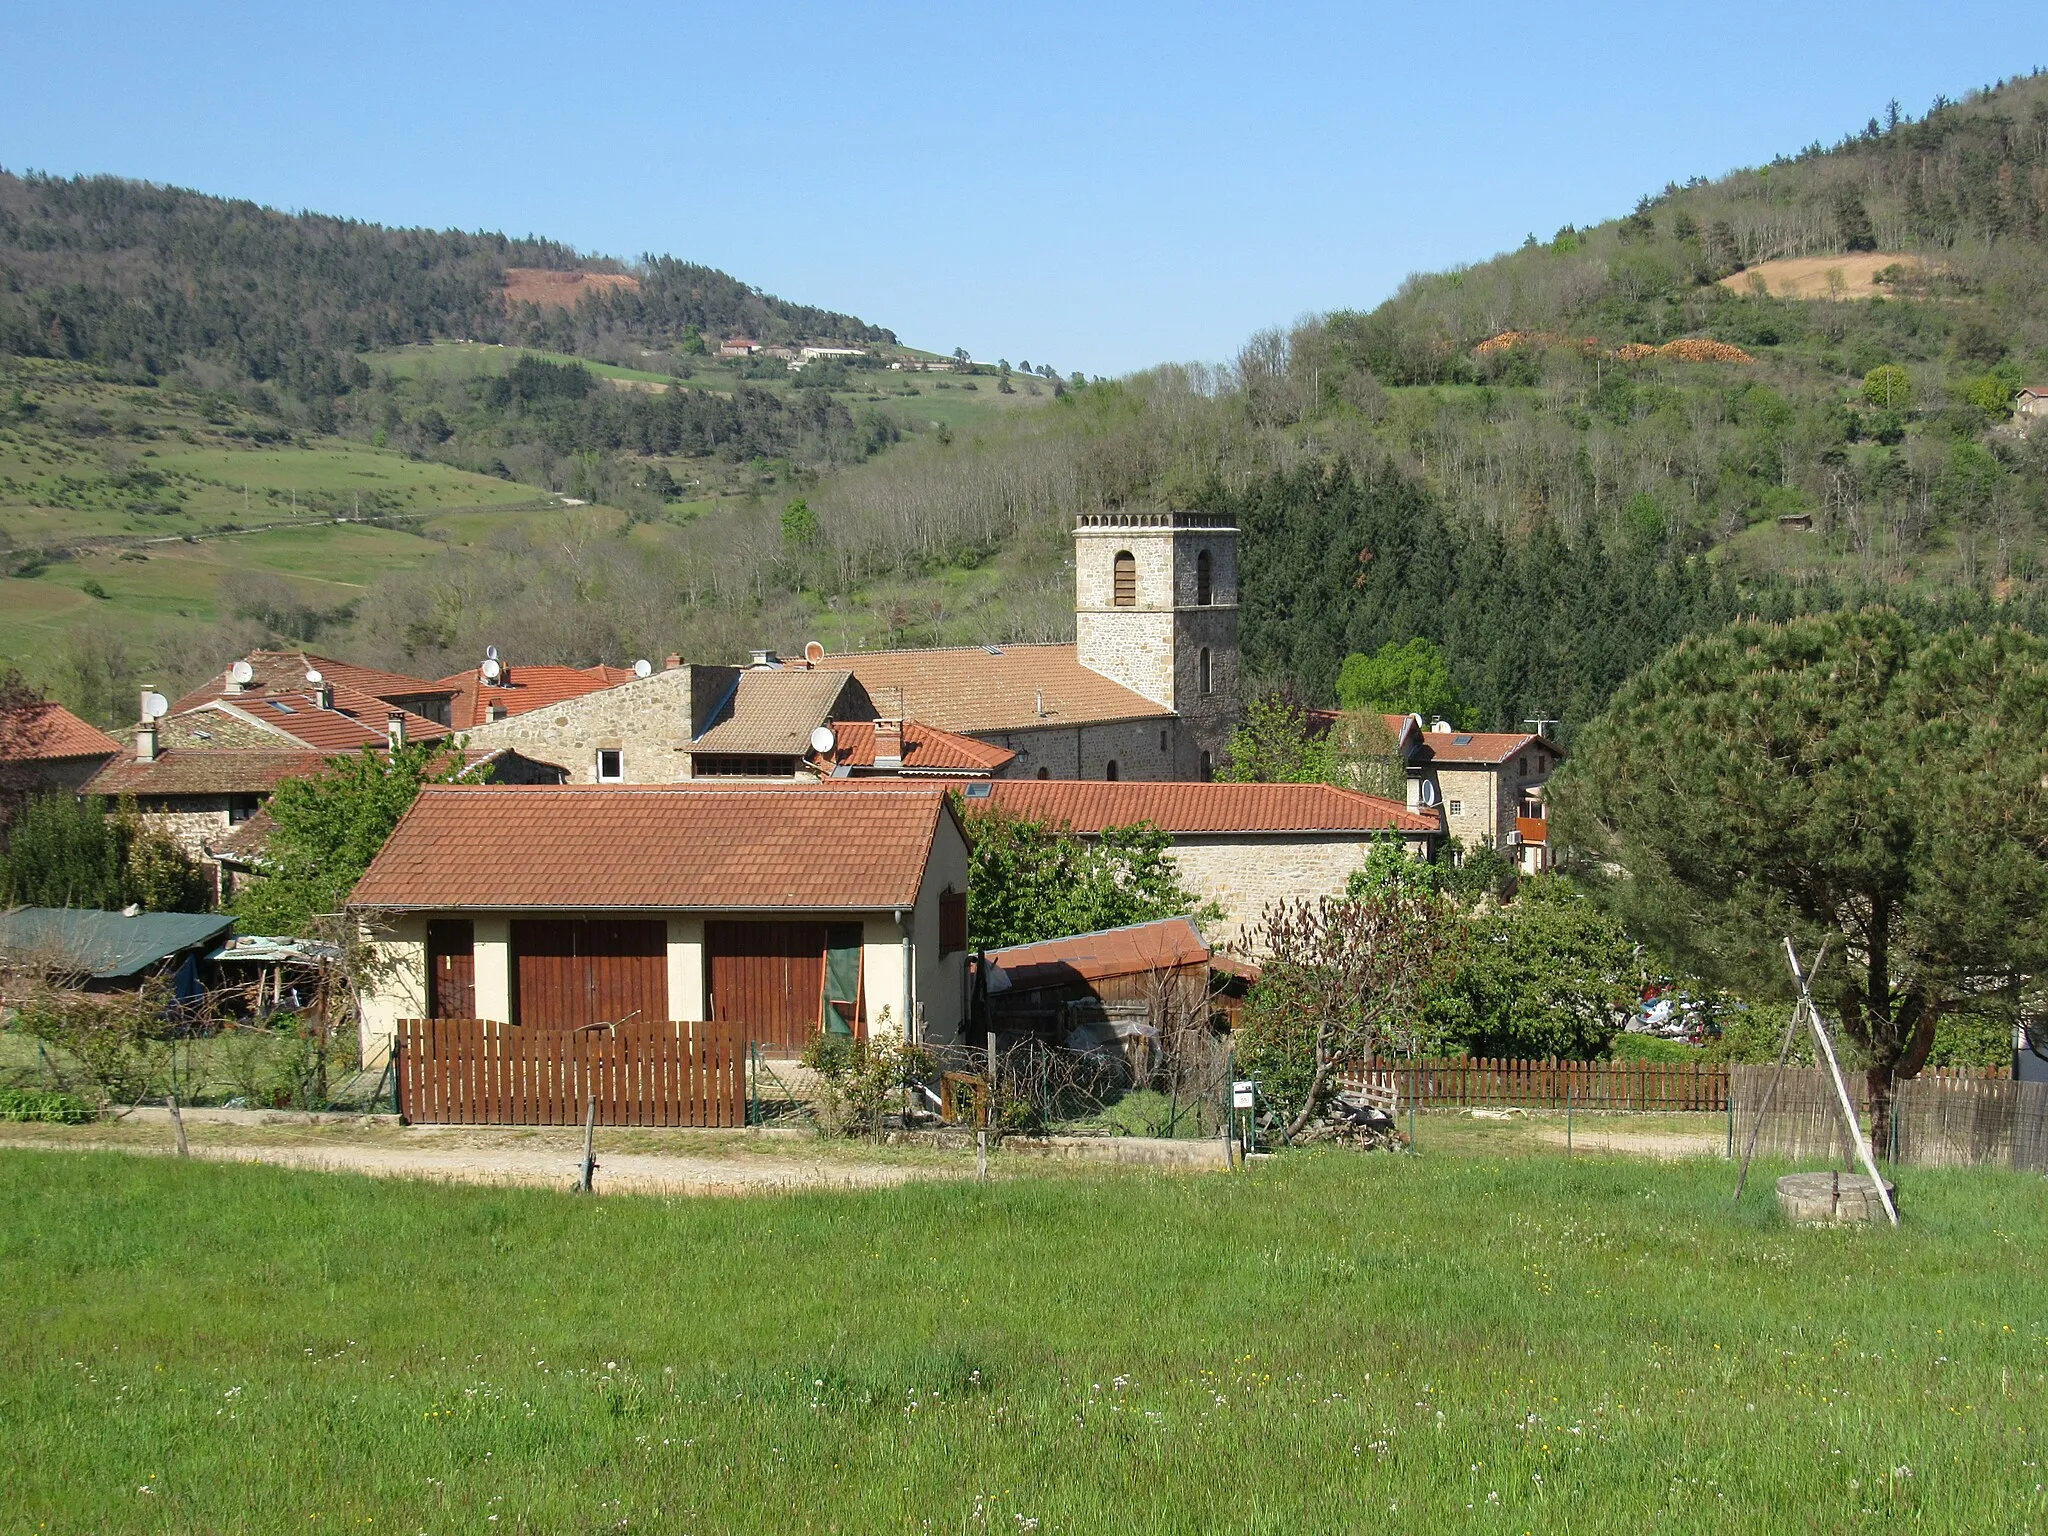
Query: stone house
{"type": "Point", "coordinates": [770, 720]}
{"type": "Point", "coordinates": [791, 909]}
{"type": "Point", "coordinates": [2031, 405]}
{"type": "Point", "coordinates": [45, 749]}
{"type": "Point", "coordinates": [1487, 785]}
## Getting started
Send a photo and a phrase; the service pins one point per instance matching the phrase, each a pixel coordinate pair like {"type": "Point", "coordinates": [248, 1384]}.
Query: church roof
{"type": "Point", "coordinates": [975, 688]}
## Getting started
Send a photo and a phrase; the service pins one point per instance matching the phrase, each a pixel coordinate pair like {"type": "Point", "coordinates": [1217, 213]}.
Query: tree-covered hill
{"type": "Point", "coordinates": [130, 275]}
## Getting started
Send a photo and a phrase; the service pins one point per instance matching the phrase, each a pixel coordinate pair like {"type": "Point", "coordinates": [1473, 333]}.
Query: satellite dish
{"type": "Point", "coordinates": [493, 668]}
{"type": "Point", "coordinates": [813, 652]}
{"type": "Point", "coordinates": [242, 672]}
{"type": "Point", "coordinates": [155, 706]}
{"type": "Point", "coordinates": [313, 676]}
{"type": "Point", "coordinates": [1428, 793]}
{"type": "Point", "coordinates": [643, 668]}
{"type": "Point", "coordinates": [490, 653]}
{"type": "Point", "coordinates": [822, 739]}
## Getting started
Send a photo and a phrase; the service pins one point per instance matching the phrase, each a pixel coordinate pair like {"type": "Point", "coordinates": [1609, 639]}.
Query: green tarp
{"type": "Point", "coordinates": [842, 978]}
{"type": "Point", "coordinates": [105, 945]}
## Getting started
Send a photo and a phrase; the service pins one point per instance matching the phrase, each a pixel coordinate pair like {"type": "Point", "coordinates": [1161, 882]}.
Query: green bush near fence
{"type": "Point", "coordinates": [1331, 1342]}
{"type": "Point", "coordinates": [43, 1107]}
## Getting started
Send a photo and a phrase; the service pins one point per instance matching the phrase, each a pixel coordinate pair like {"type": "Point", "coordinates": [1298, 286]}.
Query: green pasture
{"type": "Point", "coordinates": [481, 359]}
{"type": "Point", "coordinates": [1332, 1342]}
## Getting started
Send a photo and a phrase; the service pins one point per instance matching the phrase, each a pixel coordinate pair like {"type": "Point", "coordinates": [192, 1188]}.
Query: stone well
{"type": "Point", "coordinates": [1823, 1197]}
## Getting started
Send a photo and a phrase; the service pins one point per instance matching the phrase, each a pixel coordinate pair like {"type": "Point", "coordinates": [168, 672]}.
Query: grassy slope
{"type": "Point", "coordinates": [1589, 1346]}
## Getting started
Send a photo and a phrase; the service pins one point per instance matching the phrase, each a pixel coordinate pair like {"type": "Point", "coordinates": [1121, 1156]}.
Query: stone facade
{"type": "Point", "coordinates": [649, 721]}
{"type": "Point", "coordinates": [1244, 874]}
{"type": "Point", "coordinates": [1168, 644]}
{"type": "Point", "coordinates": [1141, 749]}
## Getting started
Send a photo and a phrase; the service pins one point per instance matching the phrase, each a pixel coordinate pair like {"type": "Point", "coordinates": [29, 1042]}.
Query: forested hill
{"type": "Point", "coordinates": [131, 275]}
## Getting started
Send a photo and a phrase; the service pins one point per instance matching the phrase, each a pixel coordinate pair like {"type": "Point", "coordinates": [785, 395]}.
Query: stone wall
{"type": "Point", "coordinates": [1247, 874]}
{"type": "Point", "coordinates": [1086, 751]}
{"type": "Point", "coordinates": [648, 721]}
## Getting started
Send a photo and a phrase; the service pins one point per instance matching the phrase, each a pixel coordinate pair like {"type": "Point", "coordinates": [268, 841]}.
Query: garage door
{"type": "Point", "coordinates": [570, 973]}
{"type": "Point", "coordinates": [771, 978]}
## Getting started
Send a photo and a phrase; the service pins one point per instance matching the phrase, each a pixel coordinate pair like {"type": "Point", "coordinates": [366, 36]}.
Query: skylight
{"type": "Point", "coordinates": [280, 706]}
{"type": "Point", "coordinates": [1461, 741]}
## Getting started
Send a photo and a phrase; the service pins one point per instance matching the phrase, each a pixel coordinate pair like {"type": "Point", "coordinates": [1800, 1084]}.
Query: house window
{"type": "Point", "coordinates": [1522, 766]}
{"type": "Point", "coordinates": [241, 808]}
{"type": "Point", "coordinates": [611, 765]}
{"type": "Point", "coordinates": [1045, 773]}
{"type": "Point", "coordinates": [1203, 569]}
{"type": "Point", "coordinates": [1162, 741]}
{"type": "Point", "coordinates": [1109, 772]}
{"type": "Point", "coordinates": [952, 922]}
{"type": "Point", "coordinates": [1457, 807]}
{"type": "Point", "coordinates": [1124, 580]}
{"type": "Point", "coordinates": [1208, 768]}
{"type": "Point", "coordinates": [1205, 669]}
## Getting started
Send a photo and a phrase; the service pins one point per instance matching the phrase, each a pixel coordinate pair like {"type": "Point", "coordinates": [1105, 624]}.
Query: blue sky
{"type": "Point", "coordinates": [1095, 186]}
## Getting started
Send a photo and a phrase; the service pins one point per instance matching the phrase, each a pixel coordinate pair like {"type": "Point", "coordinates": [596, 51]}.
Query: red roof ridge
{"type": "Point", "coordinates": [48, 731]}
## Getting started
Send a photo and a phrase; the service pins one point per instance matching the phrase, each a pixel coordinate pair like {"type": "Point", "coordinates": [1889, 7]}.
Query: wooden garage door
{"type": "Point", "coordinates": [569, 973]}
{"type": "Point", "coordinates": [769, 977]}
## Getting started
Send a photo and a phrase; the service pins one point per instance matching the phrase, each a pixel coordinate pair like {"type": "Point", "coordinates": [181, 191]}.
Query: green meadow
{"type": "Point", "coordinates": [1330, 1342]}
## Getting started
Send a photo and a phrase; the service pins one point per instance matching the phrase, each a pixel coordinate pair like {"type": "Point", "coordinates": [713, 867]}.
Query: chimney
{"type": "Point", "coordinates": [494, 713]}
{"type": "Point", "coordinates": [145, 742]}
{"type": "Point", "coordinates": [670, 662]}
{"type": "Point", "coordinates": [888, 746]}
{"type": "Point", "coordinates": [323, 694]}
{"type": "Point", "coordinates": [766, 659]}
{"type": "Point", "coordinates": [394, 730]}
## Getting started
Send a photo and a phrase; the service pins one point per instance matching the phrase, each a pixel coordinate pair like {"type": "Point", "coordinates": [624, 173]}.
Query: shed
{"type": "Point", "coordinates": [113, 949]}
{"type": "Point", "coordinates": [1144, 977]}
{"type": "Point", "coordinates": [790, 910]}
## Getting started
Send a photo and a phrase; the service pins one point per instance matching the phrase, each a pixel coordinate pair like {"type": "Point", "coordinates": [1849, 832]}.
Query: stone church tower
{"type": "Point", "coordinates": [1155, 609]}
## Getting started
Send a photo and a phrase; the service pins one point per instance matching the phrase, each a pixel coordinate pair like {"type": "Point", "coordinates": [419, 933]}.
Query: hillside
{"type": "Point", "coordinates": [1555, 462]}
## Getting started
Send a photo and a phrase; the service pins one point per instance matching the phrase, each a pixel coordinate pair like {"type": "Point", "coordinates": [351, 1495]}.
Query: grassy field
{"type": "Point", "coordinates": [1458, 1341]}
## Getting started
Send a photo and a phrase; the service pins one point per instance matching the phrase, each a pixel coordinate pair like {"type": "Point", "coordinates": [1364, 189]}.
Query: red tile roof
{"type": "Point", "coordinates": [286, 671]}
{"type": "Point", "coordinates": [40, 732]}
{"type": "Point", "coordinates": [523, 688]}
{"type": "Point", "coordinates": [352, 720]}
{"type": "Point", "coordinates": [1486, 748]}
{"type": "Point", "coordinates": [1090, 806]}
{"type": "Point", "coordinates": [667, 847]}
{"type": "Point", "coordinates": [204, 771]}
{"type": "Point", "coordinates": [1165, 945]}
{"type": "Point", "coordinates": [926, 749]}
{"type": "Point", "coordinates": [976, 688]}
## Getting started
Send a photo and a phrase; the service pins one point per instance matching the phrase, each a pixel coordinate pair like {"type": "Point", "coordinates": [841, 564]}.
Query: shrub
{"type": "Point", "coordinates": [860, 1081]}
{"type": "Point", "coordinates": [43, 1107]}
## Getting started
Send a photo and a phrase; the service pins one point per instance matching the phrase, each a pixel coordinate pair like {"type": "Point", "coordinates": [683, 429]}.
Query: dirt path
{"type": "Point", "coordinates": [1636, 1143]}
{"type": "Point", "coordinates": [545, 1163]}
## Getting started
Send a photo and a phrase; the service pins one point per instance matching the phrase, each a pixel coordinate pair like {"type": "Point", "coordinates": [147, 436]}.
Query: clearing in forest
{"type": "Point", "coordinates": [560, 290]}
{"type": "Point", "coordinates": [1822, 277]}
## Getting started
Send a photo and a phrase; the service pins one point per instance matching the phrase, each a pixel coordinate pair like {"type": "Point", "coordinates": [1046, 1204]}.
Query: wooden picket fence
{"type": "Point", "coordinates": [1481, 1081]}
{"type": "Point", "coordinates": [481, 1072]}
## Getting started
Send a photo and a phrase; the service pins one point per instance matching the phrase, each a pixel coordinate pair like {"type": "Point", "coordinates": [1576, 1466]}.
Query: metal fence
{"type": "Point", "coordinates": [1139, 1086]}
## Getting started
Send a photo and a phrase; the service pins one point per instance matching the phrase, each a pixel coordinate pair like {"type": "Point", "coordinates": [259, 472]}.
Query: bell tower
{"type": "Point", "coordinates": [1155, 609]}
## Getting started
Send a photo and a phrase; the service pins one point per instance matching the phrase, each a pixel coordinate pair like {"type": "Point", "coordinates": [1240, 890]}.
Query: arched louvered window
{"type": "Point", "coordinates": [1204, 569]}
{"type": "Point", "coordinates": [1124, 580]}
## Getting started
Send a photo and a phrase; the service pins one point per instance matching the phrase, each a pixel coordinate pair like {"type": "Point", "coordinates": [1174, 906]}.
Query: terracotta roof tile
{"type": "Point", "coordinates": [524, 688]}
{"type": "Point", "coordinates": [352, 720]}
{"type": "Point", "coordinates": [1484, 747]}
{"type": "Point", "coordinates": [926, 749]}
{"type": "Point", "coordinates": [773, 712]}
{"type": "Point", "coordinates": [190, 771]}
{"type": "Point", "coordinates": [667, 847]}
{"type": "Point", "coordinates": [1139, 948]}
{"type": "Point", "coordinates": [286, 671]}
{"type": "Point", "coordinates": [972, 688]}
{"type": "Point", "coordinates": [39, 732]}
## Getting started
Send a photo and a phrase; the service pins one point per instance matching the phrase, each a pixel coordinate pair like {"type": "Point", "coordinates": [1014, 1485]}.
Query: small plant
{"type": "Point", "coordinates": [43, 1107]}
{"type": "Point", "coordinates": [860, 1081]}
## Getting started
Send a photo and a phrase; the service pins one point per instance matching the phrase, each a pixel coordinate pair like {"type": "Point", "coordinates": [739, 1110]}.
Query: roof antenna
{"type": "Point", "coordinates": [1542, 724]}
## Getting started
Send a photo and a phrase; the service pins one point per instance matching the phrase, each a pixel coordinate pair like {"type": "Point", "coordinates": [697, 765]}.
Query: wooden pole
{"type": "Point", "coordinates": [589, 1151]}
{"type": "Point", "coordinates": [1827, 1050]}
